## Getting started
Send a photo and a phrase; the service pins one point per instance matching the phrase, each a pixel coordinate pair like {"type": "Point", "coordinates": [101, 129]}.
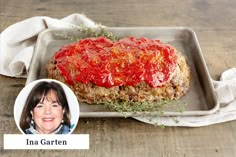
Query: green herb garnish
{"type": "Point", "coordinates": [135, 107]}
{"type": "Point", "coordinates": [90, 32]}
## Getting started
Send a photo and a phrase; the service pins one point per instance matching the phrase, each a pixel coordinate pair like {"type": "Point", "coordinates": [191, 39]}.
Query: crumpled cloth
{"type": "Point", "coordinates": [17, 44]}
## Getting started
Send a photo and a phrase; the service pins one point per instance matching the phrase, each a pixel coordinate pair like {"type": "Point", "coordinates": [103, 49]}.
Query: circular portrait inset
{"type": "Point", "coordinates": [46, 106]}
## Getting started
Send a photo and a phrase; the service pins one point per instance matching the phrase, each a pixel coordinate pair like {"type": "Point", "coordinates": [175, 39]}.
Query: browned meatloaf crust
{"type": "Point", "coordinates": [142, 92]}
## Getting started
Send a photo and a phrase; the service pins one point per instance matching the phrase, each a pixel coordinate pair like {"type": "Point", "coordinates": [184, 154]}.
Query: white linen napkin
{"type": "Point", "coordinates": [18, 40]}
{"type": "Point", "coordinates": [17, 45]}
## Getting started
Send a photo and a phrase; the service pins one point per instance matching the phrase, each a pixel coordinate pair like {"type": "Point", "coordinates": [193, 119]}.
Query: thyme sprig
{"type": "Point", "coordinates": [98, 32]}
{"type": "Point", "coordinates": [135, 107]}
{"type": "Point", "coordinates": [68, 37]}
{"type": "Point", "coordinates": [89, 32]}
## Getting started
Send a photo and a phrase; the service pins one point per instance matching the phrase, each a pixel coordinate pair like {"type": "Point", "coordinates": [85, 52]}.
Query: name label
{"type": "Point", "coordinates": [72, 141]}
{"type": "Point", "coordinates": [46, 142]}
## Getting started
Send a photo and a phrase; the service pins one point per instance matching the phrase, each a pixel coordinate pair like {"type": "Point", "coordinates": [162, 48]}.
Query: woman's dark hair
{"type": "Point", "coordinates": [39, 91]}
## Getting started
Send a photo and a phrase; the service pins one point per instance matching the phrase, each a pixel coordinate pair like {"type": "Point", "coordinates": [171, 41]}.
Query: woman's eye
{"type": "Point", "coordinates": [39, 106]}
{"type": "Point", "coordinates": [55, 104]}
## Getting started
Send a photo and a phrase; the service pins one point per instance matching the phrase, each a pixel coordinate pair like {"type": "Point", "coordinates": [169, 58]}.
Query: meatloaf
{"type": "Point", "coordinates": [99, 70]}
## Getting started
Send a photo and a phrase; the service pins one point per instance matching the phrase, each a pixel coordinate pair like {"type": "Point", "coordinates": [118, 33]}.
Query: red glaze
{"type": "Point", "coordinates": [125, 62]}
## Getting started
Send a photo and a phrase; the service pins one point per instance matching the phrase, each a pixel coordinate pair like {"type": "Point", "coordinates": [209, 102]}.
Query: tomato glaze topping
{"type": "Point", "coordinates": [125, 62]}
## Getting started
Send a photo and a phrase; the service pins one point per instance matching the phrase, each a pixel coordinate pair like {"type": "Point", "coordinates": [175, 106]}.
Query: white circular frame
{"type": "Point", "coordinates": [71, 98]}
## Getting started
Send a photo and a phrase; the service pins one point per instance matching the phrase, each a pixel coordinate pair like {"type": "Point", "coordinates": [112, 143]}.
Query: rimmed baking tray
{"type": "Point", "coordinates": [200, 99]}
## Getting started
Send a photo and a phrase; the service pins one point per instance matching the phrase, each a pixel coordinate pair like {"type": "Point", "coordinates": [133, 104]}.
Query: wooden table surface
{"type": "Point", "coordinates": [215, 25]}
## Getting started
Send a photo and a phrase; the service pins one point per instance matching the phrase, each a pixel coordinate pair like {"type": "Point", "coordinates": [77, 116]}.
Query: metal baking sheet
{"type": "Point", "coordinates": [200, 99]}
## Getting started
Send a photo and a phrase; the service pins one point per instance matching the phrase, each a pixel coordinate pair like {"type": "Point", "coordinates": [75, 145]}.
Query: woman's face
{"type": "Point", "coordinates": [47, 114]}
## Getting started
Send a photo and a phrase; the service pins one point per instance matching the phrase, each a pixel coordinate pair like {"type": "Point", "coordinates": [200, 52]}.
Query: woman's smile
{"type": "Point", "coordinates": [48, 119]}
